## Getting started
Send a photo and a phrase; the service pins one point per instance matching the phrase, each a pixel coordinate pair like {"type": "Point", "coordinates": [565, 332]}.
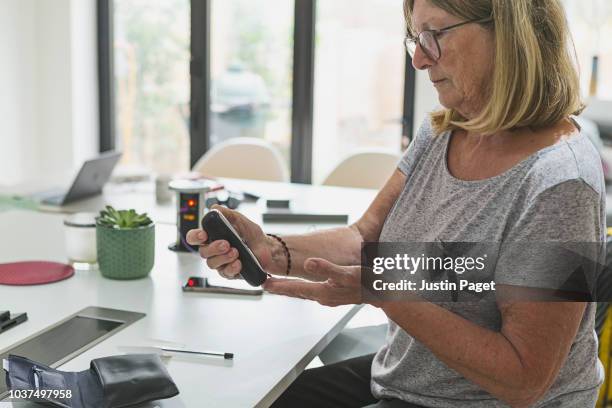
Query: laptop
{"type": "Point", "coordinates": [90, 181]}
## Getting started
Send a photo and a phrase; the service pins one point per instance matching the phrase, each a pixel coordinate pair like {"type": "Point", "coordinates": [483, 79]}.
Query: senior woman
{"type": "Point", "coordinates": [502, 162]}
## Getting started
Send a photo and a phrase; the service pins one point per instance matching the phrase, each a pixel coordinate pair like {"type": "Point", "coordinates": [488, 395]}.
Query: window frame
{"type": "Point", "coordinates": [199, 123]}
{"type": "Point", "coordinates": [106, 86]}
{"type": "Point", "coordinates": [199, 67]}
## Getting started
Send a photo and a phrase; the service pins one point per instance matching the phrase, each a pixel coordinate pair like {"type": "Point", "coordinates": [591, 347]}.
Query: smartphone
{"type": "Point", "coordinates": [219, 228]}
{"type": "Point", "coordinates": [202, 285]}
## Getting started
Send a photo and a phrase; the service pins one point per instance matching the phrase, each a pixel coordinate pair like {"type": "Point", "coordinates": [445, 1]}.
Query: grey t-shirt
{"type": "Point", "coordinates": [557, 194]}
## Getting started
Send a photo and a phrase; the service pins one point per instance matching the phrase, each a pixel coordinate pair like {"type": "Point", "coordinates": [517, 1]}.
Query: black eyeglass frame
{"type": "Point", "coordinates": [435, 33]}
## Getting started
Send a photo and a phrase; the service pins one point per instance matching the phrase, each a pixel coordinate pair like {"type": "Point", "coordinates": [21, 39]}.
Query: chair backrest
{"type": "Point", "coordinates": [603, 290]}
{"type": "Point", "coordinates": [243, 157]}
{"type": "Point", "coordinates": [365, 169]}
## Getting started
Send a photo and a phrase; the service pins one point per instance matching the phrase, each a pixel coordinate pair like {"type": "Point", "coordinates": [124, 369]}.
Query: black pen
{"type": "Point", "coordinates": [227, 356]}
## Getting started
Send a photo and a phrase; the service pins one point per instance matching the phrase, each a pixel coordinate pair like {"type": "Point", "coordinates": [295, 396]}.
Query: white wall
{"type": "Point", "coordinates": [48, 83]}
{"type": "Point", "coordinates": [86, 113]}
{"type": "Point", "coordinates": [426, 99]}
{"type": "Point", "coordinates": [18, 84]}
{"type": "Point", "coordinates": [599, 111]}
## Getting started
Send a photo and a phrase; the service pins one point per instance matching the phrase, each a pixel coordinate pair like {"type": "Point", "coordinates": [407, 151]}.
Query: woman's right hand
{"type": "Point", "coordinates": [220, 256]}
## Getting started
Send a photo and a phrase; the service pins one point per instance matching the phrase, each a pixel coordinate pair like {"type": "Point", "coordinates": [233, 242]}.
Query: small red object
{"type": "Point", "coordinates": [190, 283]}
{"type": "Point", "coordinates": [34, 273]}
{"type": "Point", "coordinates": [191, 203]}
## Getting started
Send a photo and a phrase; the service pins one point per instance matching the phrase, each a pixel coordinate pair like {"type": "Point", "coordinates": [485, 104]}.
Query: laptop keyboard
{"type": "Point", "coordinates": [55, 200]}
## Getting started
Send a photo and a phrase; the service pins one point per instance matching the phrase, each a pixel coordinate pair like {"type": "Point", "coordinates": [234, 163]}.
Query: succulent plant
{"type": "Point", "coordinates": [122, 219]}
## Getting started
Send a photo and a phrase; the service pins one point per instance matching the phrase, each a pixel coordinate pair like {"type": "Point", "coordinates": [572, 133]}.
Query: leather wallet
{"type": "Point", "coordinates": [111, 382]}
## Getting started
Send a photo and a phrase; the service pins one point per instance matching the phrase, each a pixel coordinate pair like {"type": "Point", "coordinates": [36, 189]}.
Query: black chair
{"type": "Point", "coordinates": [603, 293]}
{"type": "Point", "coordinates": [603, 290]}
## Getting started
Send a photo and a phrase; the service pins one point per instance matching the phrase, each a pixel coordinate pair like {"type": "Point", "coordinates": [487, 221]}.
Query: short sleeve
{"type": "Point", "coordinates": [417, 147]}
{"type": "Point", "coordinates": [557, 240]}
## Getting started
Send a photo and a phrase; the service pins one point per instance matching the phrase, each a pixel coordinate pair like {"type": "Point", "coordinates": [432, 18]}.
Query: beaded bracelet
{"type": "Point", "coordinates": [287, 253]}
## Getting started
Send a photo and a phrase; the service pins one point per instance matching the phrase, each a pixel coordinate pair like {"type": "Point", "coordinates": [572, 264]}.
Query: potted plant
{"type": "Point", "coordinates": [125, 243]}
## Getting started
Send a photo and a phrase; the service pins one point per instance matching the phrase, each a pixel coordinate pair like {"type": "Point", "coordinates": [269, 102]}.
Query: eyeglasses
{"type": "Point", "coordinates": [428, 40]}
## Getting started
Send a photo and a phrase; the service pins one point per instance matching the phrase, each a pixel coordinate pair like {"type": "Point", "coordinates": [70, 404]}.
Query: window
{"type": "Point", "coordinates": [169, 91]}
{"type": "Point", "coordinates": [152, 88]}
{"type": "Point", "coordinates": [359, 79]}
{"type": "Point", "coordinates": [251, 71]}
{"type": "Point", "coordinates": [591, 25]}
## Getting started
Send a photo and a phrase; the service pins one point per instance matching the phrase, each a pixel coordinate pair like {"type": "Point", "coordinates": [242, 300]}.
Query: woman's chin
{"type": "Point", "coordinates": [447, 101]}
{"type": "Point", "coordinates": [444, 102]}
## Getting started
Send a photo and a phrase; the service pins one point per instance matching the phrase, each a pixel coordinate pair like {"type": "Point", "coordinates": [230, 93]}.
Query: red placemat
{"type": "Point", "coordinates": [34, 273]}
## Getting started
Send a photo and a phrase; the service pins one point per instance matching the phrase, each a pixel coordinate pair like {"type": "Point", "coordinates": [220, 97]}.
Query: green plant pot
{"type": "Point", "coordinates": [125, 253]}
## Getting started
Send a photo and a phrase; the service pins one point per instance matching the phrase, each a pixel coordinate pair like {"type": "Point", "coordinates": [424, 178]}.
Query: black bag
{"type": "Point", "coordinates": [110, 382]}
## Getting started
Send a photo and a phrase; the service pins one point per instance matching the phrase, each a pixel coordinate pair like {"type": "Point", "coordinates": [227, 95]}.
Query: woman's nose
{"type": "Point", "coordinates": [420, 60]}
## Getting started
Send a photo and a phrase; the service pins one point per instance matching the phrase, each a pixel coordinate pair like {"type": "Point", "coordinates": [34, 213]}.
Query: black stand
{"type": "Point", "coordinates": [8, 321]}
{"type": "Point", "coordinates": [181, 248]}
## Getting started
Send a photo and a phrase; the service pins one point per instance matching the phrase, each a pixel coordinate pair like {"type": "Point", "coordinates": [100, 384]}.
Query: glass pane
{"type": "Point", "coordinates": [152, 41]}
{"type": "Point", "coordinates": [359, 79]}
{"type": "Point", "coordinates": [251, 71]}
{"type": "Point", "coordinates": [591, 25]}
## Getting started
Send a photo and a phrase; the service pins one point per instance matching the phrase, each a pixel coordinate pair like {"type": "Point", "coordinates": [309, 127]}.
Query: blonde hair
{"type": "Point", "coordinates": [535, 80]}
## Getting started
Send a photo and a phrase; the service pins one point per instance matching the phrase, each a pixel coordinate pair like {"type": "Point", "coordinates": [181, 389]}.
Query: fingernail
{"type": "Point", "coordinates": [311, 264]}
{"type": "Point", "coordinates": [224, 246]}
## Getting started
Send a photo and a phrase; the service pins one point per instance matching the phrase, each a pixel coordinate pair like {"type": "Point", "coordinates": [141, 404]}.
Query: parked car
{"type": "Point", "coordinates": [240, 105]}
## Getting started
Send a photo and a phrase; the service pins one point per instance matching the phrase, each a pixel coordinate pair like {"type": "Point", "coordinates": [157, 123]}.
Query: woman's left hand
{"type": "Point", "coordinates": [339, 285]}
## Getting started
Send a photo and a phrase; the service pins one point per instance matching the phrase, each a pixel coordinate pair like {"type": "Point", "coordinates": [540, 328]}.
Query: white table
{"type": "Point", "coordinates": [304, 198]}
{"type": "Point", "coordinates": [273, 337]}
